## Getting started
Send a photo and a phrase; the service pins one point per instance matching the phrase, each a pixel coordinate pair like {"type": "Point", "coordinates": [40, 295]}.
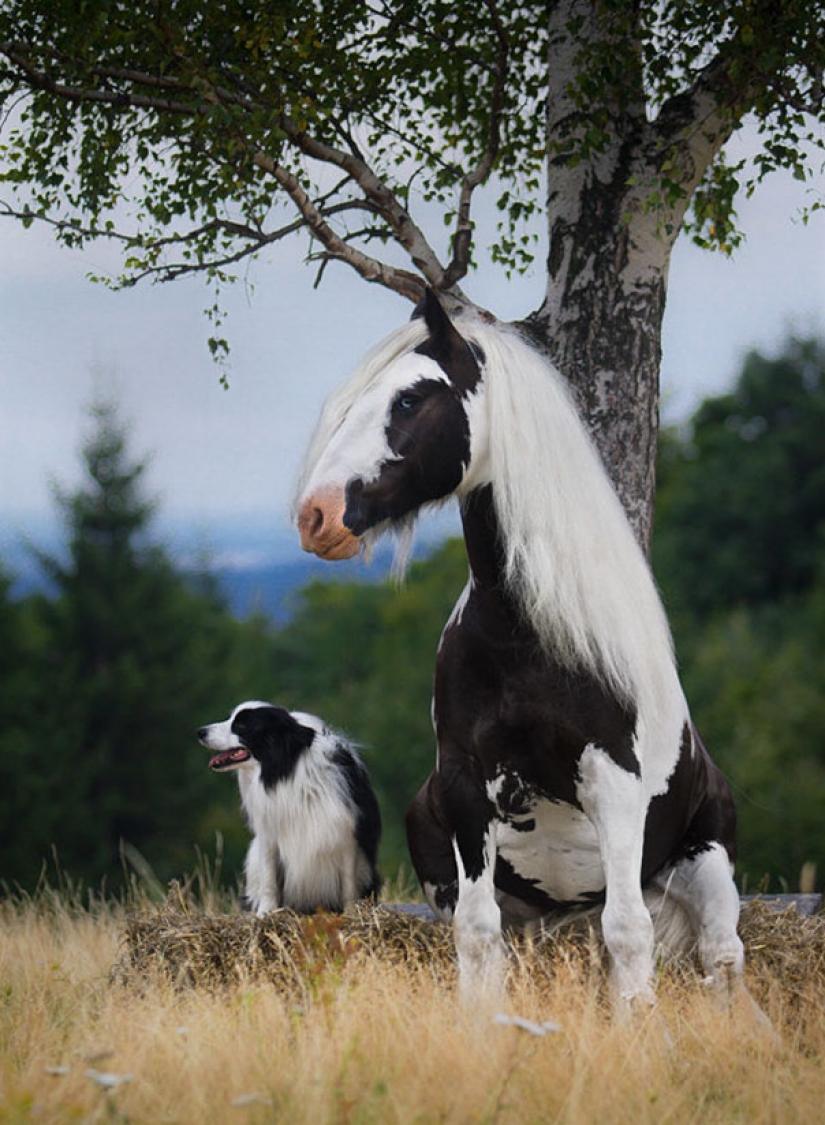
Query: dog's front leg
{"type": "Point", "coordinates": [262, 878]}
{"type": "Point", "coordinates": [349, 878]}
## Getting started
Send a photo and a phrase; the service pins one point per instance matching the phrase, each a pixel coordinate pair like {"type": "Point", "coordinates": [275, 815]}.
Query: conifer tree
{"type": "Point", "coordinates": [131, 660]}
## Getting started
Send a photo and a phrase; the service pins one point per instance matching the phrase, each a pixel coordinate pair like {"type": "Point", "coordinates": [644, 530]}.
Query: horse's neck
{"type": "Point", "coordinates": [482, 538]}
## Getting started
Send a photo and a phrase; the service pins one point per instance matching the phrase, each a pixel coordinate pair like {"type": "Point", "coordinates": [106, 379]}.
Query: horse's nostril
{"type": "Point", "coordinates": [310, 522]}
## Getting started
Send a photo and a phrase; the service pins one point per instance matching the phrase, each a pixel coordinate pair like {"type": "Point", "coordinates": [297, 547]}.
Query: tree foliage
{"type": "Point", "coordinates": [219, 129]}
{"type": "Point", "coordinates": [208, 117]}
{"type": "Point", "coordinates": [742, 496]}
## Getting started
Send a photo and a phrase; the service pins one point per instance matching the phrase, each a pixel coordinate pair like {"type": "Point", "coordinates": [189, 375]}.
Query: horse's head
{"type": "Point", "coordinates": [404, 441]}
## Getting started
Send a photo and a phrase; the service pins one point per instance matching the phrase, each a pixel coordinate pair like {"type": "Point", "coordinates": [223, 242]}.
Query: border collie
{"type": "Point", "coordinates": [309, 803]}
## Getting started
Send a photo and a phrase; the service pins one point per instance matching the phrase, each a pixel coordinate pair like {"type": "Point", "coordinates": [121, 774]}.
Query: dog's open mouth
{"type": "Point", "coordinates": [228, 759]}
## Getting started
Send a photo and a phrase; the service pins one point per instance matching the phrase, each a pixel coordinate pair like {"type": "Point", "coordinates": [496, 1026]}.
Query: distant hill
{"type": "Point", "coordinates": [272, 589]}
{"type": "Point", "coordinates": [257, 573]}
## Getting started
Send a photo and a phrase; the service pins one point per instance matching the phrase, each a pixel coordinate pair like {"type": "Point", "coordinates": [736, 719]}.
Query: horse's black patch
{"type": "Point", "coordinates": [429, 435]}
{"type": "Point", "coordinates": [445, 344]}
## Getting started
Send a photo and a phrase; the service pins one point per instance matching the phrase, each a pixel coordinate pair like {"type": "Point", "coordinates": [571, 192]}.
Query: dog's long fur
{"type": "Point", "coordinates": [309, 803]}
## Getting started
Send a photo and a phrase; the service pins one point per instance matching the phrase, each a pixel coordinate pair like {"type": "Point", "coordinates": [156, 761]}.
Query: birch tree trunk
{"type": "Point", "coordinates": [611, 233]}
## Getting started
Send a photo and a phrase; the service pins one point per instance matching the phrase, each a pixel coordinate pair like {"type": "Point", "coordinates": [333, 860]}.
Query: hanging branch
{"type": "Point", "coordinates": [463, 237]}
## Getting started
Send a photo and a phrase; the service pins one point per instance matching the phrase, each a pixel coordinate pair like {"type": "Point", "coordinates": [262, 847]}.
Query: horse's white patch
{"type": "Point", "coordinates": [559, 854]}
{"type": "Point", "coordinates": [616, 803]}
{"type": "Point", "coordinates": [358, 446]}
{"type": "Point", "coordinates": [702, 884]}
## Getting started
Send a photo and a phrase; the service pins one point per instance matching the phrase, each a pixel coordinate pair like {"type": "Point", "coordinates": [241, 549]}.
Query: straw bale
{"type": "Point", "coordinates": [190, 948]}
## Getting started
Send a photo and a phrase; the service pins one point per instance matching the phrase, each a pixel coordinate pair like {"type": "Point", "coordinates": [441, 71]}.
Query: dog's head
{"type": "Point", "coordinates": [261, 733]}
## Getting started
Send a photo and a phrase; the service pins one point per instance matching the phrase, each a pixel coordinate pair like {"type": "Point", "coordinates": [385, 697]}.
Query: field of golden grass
{"type": "Point", "coordinates": [358, 1022]}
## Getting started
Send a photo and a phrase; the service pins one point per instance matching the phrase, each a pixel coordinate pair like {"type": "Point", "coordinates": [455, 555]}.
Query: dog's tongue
{"type": "Point", "coordinates": [228, 758]}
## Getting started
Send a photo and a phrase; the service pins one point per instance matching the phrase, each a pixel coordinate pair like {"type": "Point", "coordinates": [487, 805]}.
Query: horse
{"type": "Point", "coordinates": [568, 773]}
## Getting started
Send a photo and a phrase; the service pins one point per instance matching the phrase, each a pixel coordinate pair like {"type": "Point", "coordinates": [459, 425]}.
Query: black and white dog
{"type": "Point", "coordinates": [309, 803]}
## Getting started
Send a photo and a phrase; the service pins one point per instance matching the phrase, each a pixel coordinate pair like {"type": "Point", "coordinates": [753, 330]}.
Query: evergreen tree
{"type": "Point", "coordinates": [131, 661]}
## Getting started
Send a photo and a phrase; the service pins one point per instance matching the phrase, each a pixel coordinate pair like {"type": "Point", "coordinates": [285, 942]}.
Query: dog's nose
{"type": "Point", "coordinates": [202, 733]}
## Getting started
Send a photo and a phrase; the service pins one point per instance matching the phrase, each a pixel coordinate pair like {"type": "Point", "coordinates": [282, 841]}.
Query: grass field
{"type": "Point", "coordinates": [359, 1037]}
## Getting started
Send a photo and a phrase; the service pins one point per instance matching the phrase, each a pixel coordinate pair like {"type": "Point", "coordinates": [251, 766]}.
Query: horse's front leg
{"type": "Point", "coordinates": [613, 799]}
{"type": "Point", "coordinates": [477, 923]}
{"type": "Point", "coordinates": [477, 918]}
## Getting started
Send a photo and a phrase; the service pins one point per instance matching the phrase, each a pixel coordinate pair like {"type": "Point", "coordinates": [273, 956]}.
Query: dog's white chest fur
{"type": "Point", "coordinates": [304, 853]}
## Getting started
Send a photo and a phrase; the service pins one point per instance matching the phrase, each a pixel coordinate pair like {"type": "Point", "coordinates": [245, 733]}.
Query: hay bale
{"type": "Point", "coordinates": [785, 944]}
{"type": "Point", "coordinates": [189, 948]}
{"type": "Point", "coordinates": [181, 944]}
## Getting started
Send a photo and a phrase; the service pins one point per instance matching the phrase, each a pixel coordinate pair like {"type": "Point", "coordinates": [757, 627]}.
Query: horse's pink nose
{"type": "Point", "coordinates": [322, 529]}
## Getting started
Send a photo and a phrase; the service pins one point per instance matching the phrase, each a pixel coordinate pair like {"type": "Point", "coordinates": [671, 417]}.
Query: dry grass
{"type": "Point", "coordinates": [219, 1018]}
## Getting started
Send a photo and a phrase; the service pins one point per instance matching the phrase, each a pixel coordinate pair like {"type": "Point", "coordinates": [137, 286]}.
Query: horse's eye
{"type": "Point", "coordinates": [407, 402]}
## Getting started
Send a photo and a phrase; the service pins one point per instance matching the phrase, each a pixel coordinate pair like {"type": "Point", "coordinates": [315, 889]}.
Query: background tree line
{"type": "Point", "coordinates": [106, 678]}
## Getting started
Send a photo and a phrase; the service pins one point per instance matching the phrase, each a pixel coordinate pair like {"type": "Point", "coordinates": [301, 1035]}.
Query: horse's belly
{"type": "Point", "coordinates": [553, 847]}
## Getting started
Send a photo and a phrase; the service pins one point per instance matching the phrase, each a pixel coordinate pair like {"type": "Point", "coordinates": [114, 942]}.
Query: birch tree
{"type": "Point", "coordinates": [370, 126]}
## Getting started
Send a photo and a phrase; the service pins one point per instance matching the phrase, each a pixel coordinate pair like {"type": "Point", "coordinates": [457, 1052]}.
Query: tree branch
{"type": "Point", "coordinates": [379, 198]}
{"type": "Point", "coordinates": [462, 239]}
{"type": "Point", "coordinates": [406, 232]}
{"type": "Point", "coordinates": [257, 239]}
{"type": "Point", "coordinates": [41, 81]}
{"type": "Point", "coordinates": [701, 119]}
{"type": "Point", "coordinates": [400, 281]}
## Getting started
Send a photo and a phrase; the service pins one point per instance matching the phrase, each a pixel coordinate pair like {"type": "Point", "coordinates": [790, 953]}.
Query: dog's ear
{"type": "Point", "coordinates": [290, 735]}
{"type": "Point", "coordinates": [275, 739]}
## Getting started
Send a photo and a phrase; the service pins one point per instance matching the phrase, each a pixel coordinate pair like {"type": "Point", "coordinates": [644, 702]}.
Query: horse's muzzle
{"type": "Point", "coordinates": [322, 529]}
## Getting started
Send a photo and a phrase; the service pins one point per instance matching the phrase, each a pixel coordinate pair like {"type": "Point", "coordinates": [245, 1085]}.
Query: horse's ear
{"type": "Point", "coordinates": [429, 307]}
{"type": "Point", "coordinates": [435, 318]}
{"type": "Point", "coordinates": [445, 343]}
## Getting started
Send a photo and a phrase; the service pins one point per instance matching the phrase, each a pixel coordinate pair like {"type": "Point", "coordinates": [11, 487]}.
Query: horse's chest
{"type": "Point", "coordinates": [548, 844]}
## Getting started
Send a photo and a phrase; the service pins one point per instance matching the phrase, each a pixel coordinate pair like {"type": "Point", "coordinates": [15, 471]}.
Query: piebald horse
{"type": "Point", "coordinates": [568, 772]}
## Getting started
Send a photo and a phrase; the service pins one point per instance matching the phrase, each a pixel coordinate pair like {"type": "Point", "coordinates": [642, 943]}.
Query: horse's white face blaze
{"type": "Point", "coordinates": [404, 442]}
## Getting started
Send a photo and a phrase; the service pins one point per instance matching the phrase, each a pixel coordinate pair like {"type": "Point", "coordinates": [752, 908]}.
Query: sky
{"type": "Point", "coordinates": [223, 459]}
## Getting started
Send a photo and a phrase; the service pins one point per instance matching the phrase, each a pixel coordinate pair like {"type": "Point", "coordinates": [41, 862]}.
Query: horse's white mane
{"type": "Point", "coordinates": [572, 560]}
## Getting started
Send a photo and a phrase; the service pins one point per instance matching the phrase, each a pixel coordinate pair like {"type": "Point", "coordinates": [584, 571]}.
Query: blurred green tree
{"type": "Point", "coordinates": [122, 665]}
{"type": "Point", "coordinates": [741, 501]}
{"type": "Point", "coordinates": [739, 551]}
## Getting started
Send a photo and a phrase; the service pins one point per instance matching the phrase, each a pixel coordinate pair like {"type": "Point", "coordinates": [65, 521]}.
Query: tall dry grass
{"type": "Point", "coordinates": [370, 1041]}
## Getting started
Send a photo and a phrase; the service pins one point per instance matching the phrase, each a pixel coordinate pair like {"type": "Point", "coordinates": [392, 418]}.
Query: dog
{"type": "Point", "coordinates": [310, 806]}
